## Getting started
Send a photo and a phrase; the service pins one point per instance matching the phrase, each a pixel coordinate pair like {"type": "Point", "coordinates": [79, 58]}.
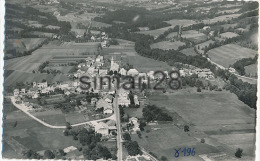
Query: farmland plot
{"type": "Point", "coordinates": [189, 52]}
{"type": "Point", "coordinates": [221, 18]}
{"type": "Point", "coordinates": [209, 116]}
{"type": "Point", "coordinates": [167, 45]}
{"type": "Point", "coordinates": [228, 54]}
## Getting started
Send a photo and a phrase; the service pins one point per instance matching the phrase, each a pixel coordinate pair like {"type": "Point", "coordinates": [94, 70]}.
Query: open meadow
{"type": "Point", "coordinates": [24, 44]}
{"type": "Point", "coordinates": [155, 32]}
{"type": "Point", "coordinates": [251, 70]}
{"type": "Point", "coordinates": [228, 54]}
{"type": "Point", "coordinates": [221, 18]}
{"type": "Point", "coordinates": [194, 36]}
{"type": "Point", "coordinates": [29, 134]}
{"type": "Point", "coordinates": [218, 117]}
{"type": "Point", "coordinates": [189, 52]}
{"type": "Point", "coordinates": [183, 22]}
{"type": "Point", "coordinates": [167, 45]}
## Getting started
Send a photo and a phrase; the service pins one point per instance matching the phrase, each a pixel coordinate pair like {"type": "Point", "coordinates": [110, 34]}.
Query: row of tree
{"type": "Point", "coordinates": [242, 63]}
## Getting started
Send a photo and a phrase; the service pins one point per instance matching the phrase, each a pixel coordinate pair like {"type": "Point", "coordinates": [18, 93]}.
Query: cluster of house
{"type": "Point", "coordinates": [135, 125]}
{"type": "Point", "coordinates": [44, 88]}
{"type": "Point", "coordinates": [104, 128]}
{"type": "Point", "coordinates": [188, 70]}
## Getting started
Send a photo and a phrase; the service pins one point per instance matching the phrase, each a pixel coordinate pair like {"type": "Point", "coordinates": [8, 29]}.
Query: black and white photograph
{"type": "Point", "coordinates": [129, 80]}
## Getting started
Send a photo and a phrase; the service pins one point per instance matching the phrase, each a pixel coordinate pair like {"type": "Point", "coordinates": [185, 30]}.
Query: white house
{"type": "Point", "coordinates": [150, 74]}
{"type": "Point", "coordinates": [93, 38]}
{"type": "Point", "coordinates": [108, 98]}
{"type": "Point", "coordinates": [102, 128]}
{"type": "Point", "coordinates": [41, 85]}
{"type": "Point", "coordinates": [114, 66]}
{"type": "Point", "coordinates": [123, 71]}
{"type": "Point", "coordinates": [16, 92]}
{"type": "Point", "coordinates": [132, 72]}
{"type": "Point", "coordinates": [107, 107]}
{"type": "Point", "coordinates": [123, 98]}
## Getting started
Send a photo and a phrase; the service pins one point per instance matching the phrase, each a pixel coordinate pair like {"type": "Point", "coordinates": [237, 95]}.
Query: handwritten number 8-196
{"type": "Point", "coordinates": [185, 152]}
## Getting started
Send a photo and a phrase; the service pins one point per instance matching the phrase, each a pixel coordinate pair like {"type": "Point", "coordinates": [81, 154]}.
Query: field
{"type": "Point", "coordinates": [208, 115]}
{"type": "Point", "coordinates": [183, 22]}
{"type": "Point", "coordinates": [204, 44]}
{"type": "Point", "coordinates": [167, 45]}
{"type": "Point", "coordinates": [20, 76]}
{"type": "Point", "coordinates": [228, 54]}
{"type": "Point", "coordinates": [229, 10]}
{"type": "Point", "coordinates": [189, 52]}
{"type": "Point", "coordinates": [251, 70]}
{"type": "Point", "coordinates": [171, 35]}
{"type": "Point", "coordinates": [45, 53]}
{"type": "Point", "coordinates": [156, 32]}
{"type": "Point", "coordinates": [32, 135]}
{"type": "Point", "coordinates": [173, 23]}
{"type": "Point", "coordinates": [62, 69]}
{"type": "Point", "coordinates": [227, 26]}
{"type": "Point", "coordinates": [143, 64]}
{"type": "Point", "coordinates": [201, 47]}
{"type": "Point", "coordinates": [228, 35]}
{"type": "Point", "coordinates": [194, 36]}
{"type": "Point", "coordinates": [221, 18]}
{"type": "Point", "coordinates": [23, 44]}
{"type": "Point", "coordinates": [126, 52]}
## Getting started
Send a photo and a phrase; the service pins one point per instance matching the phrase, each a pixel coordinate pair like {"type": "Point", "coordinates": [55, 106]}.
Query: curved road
{"type": "Point", "coordinates": [24, 109]}
{"type": "Point", "coordinates": [221, 67]}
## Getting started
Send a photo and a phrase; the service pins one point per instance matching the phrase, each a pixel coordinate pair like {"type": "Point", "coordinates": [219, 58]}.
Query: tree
{"type": "Point", "coordinates": [110, 72]}
{"type": "Point", "coordinates": [238, 153]}
{"type": "Point", "coordinates": [68, 126]}
{"type": "Point", "coordinates": [163, 158]}
{"type": "Point", "coordinates": [127, 136]}
{"type": "Point", "coordinates": [61, 152]}
{"type": "Point", "coordinates": [49, 154]}
{"type": "Point", "coordinates": [133, 148]}
{"type": "Point", "coordinates": [15, 124]}
{"type": "Point", "coordinates": [186, 128]}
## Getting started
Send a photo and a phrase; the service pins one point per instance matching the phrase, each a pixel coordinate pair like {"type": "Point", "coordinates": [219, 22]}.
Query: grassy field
{"type": "Point", "coordinates": [251, 70]}
{"type": "Point", "coordinates": [227, 26]}
{"type": "Point", "coordinates": [33, 135]}
{"type": "Point", "coordinates": [221, 18]}
{"type": "Point", "coordinates": [194, 36]}
{"type": "Point", "coordinates": [204, 44]}
{"type": "Point", "coordinates": [228, 54]}
{"type": "Point", "coordinates": [171, 35]}
{"type": "Point", "coordinates": [173, 23]}
{"type": "Point", "coordinates": [127, 53]}
{"type": "Point", "coordinates": [167, 45]}
{"type": "Point", "coordinates": [63, 69]}
{"type": "Point", "coordinates": [183, 22]}
{"type": "Point", "coordinates": [143, 64]}
{"type": "Point", "coordinates": [55, 48]}
{"type": "Point", "coordinates": [228, 35]}
{"type": "Point", "coordinates": [218, 117]}
{"type": "Point", "coordinates": [24, 44]}
{"type": "Point", "coordinates": [200, 47]}
{"type": "Point", "coordinates": [156, 32]}
{"type": "Point", "coordinates": [19, 76]}
{"type": "Point", "coordinates": [189, 51]}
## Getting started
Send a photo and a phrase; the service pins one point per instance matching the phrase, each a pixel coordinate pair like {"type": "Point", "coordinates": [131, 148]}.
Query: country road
{"type": "Point", "coordinates": [24, 109]}
{"type": "Point", "coordinates": [118, 125]}
{"type": "Point", "coordinates": [239, 76]}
